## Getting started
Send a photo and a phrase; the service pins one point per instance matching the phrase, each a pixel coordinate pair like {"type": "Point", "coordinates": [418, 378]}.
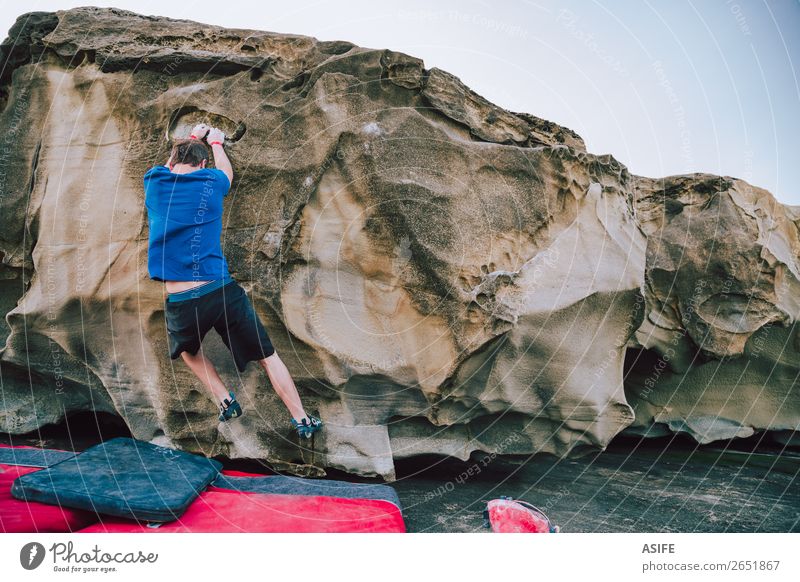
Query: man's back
{"type": "Point", "coordinates": [185, 217]}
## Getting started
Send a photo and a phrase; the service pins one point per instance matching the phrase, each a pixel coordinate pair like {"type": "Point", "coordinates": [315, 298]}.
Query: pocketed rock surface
{"type": "Point", "coordinates": [441, 276]}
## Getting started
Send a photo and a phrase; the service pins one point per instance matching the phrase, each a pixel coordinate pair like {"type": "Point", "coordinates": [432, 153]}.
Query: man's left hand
{"type": "Point", "coordinates": [200, 131]}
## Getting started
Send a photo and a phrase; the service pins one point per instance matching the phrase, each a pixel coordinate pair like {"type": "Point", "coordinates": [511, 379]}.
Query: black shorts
{"type": "Point", "coordinates": [229, 311]}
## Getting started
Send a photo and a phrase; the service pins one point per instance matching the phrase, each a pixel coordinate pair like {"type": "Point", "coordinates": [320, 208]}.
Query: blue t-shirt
{"type": "Point", "coordinates": [185, 216]}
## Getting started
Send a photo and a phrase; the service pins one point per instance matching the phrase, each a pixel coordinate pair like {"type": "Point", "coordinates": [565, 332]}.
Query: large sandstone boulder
{"type": "Point", "coordinates": [440, 275]}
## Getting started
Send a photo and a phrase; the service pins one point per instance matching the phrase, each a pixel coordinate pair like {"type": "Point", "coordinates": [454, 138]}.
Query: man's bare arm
{"type": "Point", "coordinates": [216, 139]}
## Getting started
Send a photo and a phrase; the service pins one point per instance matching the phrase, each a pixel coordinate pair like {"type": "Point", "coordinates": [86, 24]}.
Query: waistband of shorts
{"type": "Point", "coordinates": [200, 290]}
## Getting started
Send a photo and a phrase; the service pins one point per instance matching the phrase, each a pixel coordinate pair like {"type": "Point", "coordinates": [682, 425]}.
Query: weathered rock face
{"type": "Point", "coordinates": [440, 275]}
{"type": "Point", "coordinates": [721, 341]}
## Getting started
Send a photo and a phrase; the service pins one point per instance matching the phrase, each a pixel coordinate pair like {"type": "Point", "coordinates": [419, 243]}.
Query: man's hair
{"type": "Point", "coordinates": [189, 151]}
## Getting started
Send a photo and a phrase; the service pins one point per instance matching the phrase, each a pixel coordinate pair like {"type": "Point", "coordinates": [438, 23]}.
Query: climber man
{"type": "Point", "coordinates": [184, 208]}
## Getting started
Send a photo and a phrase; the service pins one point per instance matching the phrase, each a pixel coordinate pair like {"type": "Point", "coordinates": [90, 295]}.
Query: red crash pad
{"type": "Point", "coordinates": [30, 517]}
{"type": "Point", "coordinates": [235, 473]}
{"type": "Point", "coordinates": [510, 516]}
{"type": "Point", "coordinates": [234, 511]}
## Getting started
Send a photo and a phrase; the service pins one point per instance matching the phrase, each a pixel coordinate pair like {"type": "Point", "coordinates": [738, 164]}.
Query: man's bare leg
{"type": "Point", "coordinates": [284, 385]}
{"type": "Point", "coordinates": [207, 373]}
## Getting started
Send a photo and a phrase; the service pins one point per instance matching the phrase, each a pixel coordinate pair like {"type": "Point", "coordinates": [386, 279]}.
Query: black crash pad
{"type": "Point", "coordinates": [284, 485]}
{"type": "Point", "coordinates": [124, 478]}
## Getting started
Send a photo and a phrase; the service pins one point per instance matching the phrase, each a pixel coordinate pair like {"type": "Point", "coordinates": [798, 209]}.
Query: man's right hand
{"type": "Point", "coordinates": [221, 161]}
{"type": "Point", "coordinates": [215, 135]}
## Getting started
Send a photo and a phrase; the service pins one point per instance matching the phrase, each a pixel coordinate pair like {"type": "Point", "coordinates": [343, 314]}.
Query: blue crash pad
{"type": "Point", "coordinates": [122, 477]}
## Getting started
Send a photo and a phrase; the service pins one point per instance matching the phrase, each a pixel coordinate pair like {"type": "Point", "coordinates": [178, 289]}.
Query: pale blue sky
{"type": "Point", "coordinates": [667, 87]}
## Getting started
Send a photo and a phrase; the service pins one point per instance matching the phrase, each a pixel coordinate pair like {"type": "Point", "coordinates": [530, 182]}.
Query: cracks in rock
{"type": "Point", "coordinates": [291, 224]}
{"type": "Point", "coordinates": [30, 228]}
{"type": "Point", "coordinates": [34, 167]}
{"type": "Point", "coordinates": [256, 74]}
{"type": "Point", "coordinates": [188, 116]}
{"type": "Point", "coordinates": [206, 63]}
{"type": "Point", "coordinates": [298, 82]}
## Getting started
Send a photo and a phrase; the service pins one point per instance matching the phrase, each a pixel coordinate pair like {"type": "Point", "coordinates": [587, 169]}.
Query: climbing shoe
{"type": "Point", "coordinates": [229, 408]}
{"type": "Point", "coordinates": [308, 427]}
